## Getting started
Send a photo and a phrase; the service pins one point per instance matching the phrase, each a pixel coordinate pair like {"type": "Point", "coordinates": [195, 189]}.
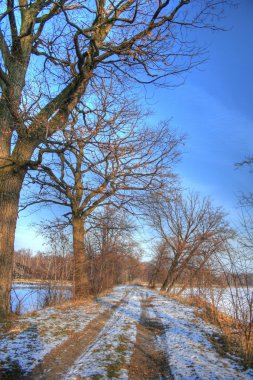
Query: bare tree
{"type": "Point", "coordinates": [246, 199]}
{"type": "Point", "coordinates": [246, 204]}
{"type": "Point", "coordinates": [159, 264]}
{"type": "Point", "coordinates": [59, 252]}
{"type": "Point", "coordinates": [235, 297]}
{"type": "Point", "coordinates": [52, 52]}
{"type": "Point", "coordinates": [108, 158]}
{"type": "Point", "coordinates": [114, 255]}
{"type": "Point", "coordinates": [191, 229]}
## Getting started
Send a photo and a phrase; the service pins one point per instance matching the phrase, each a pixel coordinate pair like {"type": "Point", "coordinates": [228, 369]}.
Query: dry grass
{"type": "Point", "coordinates": [74, 303]}
{"type": "Point", "coordinates": [236, 336]}
{"type": "Point", "coordinates": [137, 283]}
{"type": "Point", "coordinates": [42, 282]}
{"type": "Point", "coordinates": [10, 325]}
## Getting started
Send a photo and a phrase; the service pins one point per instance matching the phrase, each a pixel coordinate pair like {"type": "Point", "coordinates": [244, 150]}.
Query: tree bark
{"type": "Point", "coordinates": [10, 186]}
{"type": "Point", "coordinates": [81, 282]}
{"type": "Point", "coordinates": [166, 282]}
{"type": "Point", "coordinates": [154, 276]}
{"type": "Point", "coordinates": [170, 275]}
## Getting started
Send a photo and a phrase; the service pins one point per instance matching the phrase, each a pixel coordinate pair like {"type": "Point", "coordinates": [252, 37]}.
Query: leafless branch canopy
{"type": "Point", "coordinates": [104, 156]}
{"type": "Point", "coordinates": [191, 229]}
{"type": "Point", "coordinates": [52, 51]}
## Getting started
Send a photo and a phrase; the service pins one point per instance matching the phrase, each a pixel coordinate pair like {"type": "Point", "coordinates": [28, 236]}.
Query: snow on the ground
{"type": "Point", "coordinates": [46, 329]}
{"type": "Point", "coordinates": [184, 341]}
{"type": "Point", "coordinates": [190, 354]}
{"type": "Point", "coordinates": [109, 355]}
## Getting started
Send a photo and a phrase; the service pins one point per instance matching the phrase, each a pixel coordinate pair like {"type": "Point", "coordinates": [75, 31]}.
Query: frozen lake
{"type": "Point", "coordinates": [29, 297]}
{"type": "Point", "coordinates": [237, 302]}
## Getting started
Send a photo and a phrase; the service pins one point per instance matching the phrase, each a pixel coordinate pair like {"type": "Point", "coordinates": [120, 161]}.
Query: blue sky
{"type": "Point", "coordinates": [214, 108]}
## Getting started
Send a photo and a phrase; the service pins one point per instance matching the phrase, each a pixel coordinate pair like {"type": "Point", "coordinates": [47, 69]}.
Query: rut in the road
{"type": "Point", "coordinates": [147, 361]}
{"type": "Point", "coordinates": [60, 359]}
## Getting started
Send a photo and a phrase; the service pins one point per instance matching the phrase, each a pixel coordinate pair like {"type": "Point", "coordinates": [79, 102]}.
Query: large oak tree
{"type": "Point", "coordinates": [107, 157]}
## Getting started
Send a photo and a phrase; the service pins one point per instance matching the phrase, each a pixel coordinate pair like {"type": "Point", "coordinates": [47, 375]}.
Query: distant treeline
{"type": "Point", "coordinates": [105, 270]}
{"type": "Point", "coordinates": [42, 266]}
{"type": "Point", "coordinates": [112, 268]}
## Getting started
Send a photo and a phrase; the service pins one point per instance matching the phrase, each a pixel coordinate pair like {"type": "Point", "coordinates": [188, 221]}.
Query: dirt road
{"type": "Point", "coordinates": [133, 333]}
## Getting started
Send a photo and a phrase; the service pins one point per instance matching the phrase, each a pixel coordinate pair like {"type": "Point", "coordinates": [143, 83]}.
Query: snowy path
{"type": "Point", "coordinates": [190, 354]}
{"type": "Point", "coordinates": [133, 333]}
{"type": "Point", "coordinates": [110, 354]}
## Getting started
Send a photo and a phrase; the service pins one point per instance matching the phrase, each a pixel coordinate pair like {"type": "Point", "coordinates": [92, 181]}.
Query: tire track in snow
{"type": "Point", "coordinates": [108, 357]}
{"type": "Point", "coordinates": [62, 357]}
{"type": "Point", "coordinates": [149, 361]}
{"type": "Point", "coordinates": [185, 342]}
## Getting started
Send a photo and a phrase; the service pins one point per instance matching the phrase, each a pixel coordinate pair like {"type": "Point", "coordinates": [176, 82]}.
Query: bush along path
{"type": "Point", "coordinates": [133, 333]}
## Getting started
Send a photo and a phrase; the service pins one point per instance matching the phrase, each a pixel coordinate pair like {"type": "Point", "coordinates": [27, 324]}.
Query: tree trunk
{"type": "Point", "coordinates": [170, 274]}
{"type": "Point", "coordinates": [166, 282]}
{"type": "Point", "coordinates": [154, 276]}
{"type": "Point", "coordinates": [10, 186]}
{"type": "Point", "coordinates": [80, 278]}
